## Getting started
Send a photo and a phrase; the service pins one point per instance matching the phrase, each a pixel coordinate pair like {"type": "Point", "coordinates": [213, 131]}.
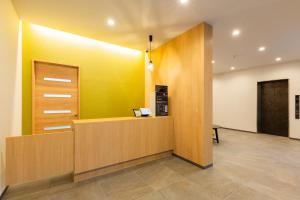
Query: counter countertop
{"type": "Point", "coordinates": [87, 121]}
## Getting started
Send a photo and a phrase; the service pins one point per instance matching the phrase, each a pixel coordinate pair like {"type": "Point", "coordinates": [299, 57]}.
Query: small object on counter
{"type": "Point", "coordinates": [146, 112]}
{"type": "Point", "coordinates": [137, 112]}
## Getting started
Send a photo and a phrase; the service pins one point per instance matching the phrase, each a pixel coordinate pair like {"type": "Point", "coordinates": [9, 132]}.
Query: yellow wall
{"type": "Point", "coordinates": [111, 77]}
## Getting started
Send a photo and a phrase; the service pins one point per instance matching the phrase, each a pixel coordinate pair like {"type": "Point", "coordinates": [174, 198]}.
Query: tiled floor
{"type": "Point", "coordinates": [246, 167]}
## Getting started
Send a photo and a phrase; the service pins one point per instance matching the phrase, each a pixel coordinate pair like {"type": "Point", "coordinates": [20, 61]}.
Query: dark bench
{"type": "Point", "coordinates": [215, 128]}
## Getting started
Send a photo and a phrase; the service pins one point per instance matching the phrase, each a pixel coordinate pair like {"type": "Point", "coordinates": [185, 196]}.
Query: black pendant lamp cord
{"type": "Point", "coordinates": [150, 40]}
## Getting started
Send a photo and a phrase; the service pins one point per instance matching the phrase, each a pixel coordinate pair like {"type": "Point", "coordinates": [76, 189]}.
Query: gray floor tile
{"type": "Point", "coordinates": [186, 190]}
{"type": "Point", "coordinates": [152, 196]}
{"type": "Point", "coordinates": [158, 176]}
{"type": "Point", "coordinates": [246, 167]}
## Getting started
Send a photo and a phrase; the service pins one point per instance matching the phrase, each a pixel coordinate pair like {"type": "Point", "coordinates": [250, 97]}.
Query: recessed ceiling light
{"type": "Point", "coordinates": [110, 22]}
{"type": "Point", "coordinates": [262, 49]}
{"type": "Point", "coordinates": [184, 1]}
{"type": "Point", "coordinates": [236, 32]}
{"type": "Point", "coordinates": [278, 59]}
{"type": "Point", "coordinates": [232, 68]}
{"type": "Point", "coordinates": [213, 62]}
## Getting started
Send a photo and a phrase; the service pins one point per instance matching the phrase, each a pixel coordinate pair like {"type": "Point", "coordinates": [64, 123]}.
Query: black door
{"type": "Point", "coordinates": [273, 107]}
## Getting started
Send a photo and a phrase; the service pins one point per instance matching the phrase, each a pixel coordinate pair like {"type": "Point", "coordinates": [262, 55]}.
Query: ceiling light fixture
{"type": "Point", "coordinates": [232, 68]}
{"type": "Point", "coordinates": [262, 49]}
{"type": "Point", "coordinates": [110, 22]}
{"type": "Point", "coordinates": [213, 61]}
{"type": "Point", "coordinates": [236, 32]}
{"type": "Point", "coordinates": [150, 64]}
{"type": "Point", "coordinates": [184, 1]}
{"type": "Point", "coordinates": [278, 59]}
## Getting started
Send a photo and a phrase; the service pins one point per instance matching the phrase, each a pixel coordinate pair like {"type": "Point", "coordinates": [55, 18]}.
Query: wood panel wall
{"type": "Point", "coordinates": [105, 142]}
{"type": "Point", "coordinates": [35, 157]}
{"type": "Point", "coordinates": [184, 64]}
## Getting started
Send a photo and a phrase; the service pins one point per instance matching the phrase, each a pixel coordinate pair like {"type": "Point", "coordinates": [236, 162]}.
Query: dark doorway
{"type": "Point", "coordinates": [273, 107]}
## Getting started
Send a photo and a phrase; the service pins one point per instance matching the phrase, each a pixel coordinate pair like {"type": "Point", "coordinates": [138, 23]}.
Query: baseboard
{"type": "Point", "coordinates": [196, 164]}
{"type": "Point", "coordinates": [258, 133]}
{"type": "Point", "coordinates": [118, 167]}
{"type": "Point", "coordinates": [3, 192]}
{"type": "Point", "coordinates": [238, 130]}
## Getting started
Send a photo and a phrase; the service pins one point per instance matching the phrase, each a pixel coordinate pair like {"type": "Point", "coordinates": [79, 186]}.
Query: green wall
{"type": "Point", "coordinates": [111, 78]}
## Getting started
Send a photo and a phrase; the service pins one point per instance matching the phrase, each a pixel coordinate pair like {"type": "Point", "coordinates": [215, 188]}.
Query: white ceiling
{"type": "Point", "coordinates": [273, 23]}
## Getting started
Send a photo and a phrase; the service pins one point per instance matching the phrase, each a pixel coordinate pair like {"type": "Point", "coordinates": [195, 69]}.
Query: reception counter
{"type": "Point", "coordinates": [94, 148]}
{"type": "Point", "coordinates": [106, 145]}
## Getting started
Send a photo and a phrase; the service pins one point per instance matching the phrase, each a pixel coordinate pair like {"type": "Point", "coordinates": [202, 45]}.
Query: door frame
{"type": "Point", "coordinates": [33, 89]}
{"type": "Point", "coordinates": [258, 113]}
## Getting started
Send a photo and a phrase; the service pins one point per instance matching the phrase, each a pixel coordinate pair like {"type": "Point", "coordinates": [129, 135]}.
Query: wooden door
{"type": "Point", "coordinates": [273, 108]}
{"type": "Point", "coordinates": [55, 97]}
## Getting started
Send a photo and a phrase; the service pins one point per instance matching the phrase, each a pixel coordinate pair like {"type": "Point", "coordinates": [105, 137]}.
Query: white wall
{"type": "Point", "coordinates": [9, 78]}
{"type": "Point", "coordinates": [235, 96]}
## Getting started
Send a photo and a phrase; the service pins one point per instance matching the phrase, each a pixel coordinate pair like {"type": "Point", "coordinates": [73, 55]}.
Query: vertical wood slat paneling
{"type": "Point", "coordinates": [184, 64]}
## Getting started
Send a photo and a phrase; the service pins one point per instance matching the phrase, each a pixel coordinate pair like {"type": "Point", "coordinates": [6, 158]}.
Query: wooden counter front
{"type": "Point", "coordinates": [101, 143]}
{"type": "Point", "coordinates": [36, 157]}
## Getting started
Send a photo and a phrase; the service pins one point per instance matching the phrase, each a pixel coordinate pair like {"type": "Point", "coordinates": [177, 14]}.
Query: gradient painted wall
{"type": "Point", "coordinates": [111, 77]}
{"type": "Point", "coordinates": [9, 31]}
